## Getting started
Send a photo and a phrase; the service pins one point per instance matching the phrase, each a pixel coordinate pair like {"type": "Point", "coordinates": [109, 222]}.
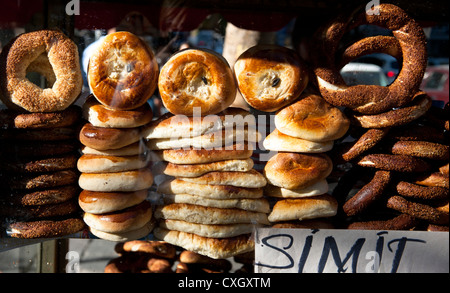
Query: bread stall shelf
{"type": "Point", "coordinates": [230, 28]}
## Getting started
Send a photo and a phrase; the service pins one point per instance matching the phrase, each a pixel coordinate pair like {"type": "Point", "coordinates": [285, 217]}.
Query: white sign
{"type": "Point", "coordinates": [350, 251]}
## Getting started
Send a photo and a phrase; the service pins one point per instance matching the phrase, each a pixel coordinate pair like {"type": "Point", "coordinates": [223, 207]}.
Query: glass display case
{"type": "Point", "coordinates": [227, 28]}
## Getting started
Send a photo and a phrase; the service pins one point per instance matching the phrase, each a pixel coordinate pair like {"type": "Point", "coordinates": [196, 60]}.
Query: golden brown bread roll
{"type": "Point", "coordinates": [196, 78]}
{"type": "Point", "coordinates": [313, 119]}
{"type": "Point", "coordinates": [117, 181]}
{"type": "Point", "coordinates": [125, 220]}
{"type": "Point", "coordinates": [212, 247]}
{"type": "Point", "coordinates": [270, 77]}
{"type": "Point", "coordinates": [201, 156]}
{"type": "Point", "coordinates": [123, 72]}
{"type": "Point", "coordinates": [100, 116]}
{"type": "Point", "coordinates": [102, 138]}
{"type": "Point", "coordinates": [95, 202]}
{"type": "Point", "coordinates": [280, 142]}
{"type": "Point", "coordinates": [297, 170]}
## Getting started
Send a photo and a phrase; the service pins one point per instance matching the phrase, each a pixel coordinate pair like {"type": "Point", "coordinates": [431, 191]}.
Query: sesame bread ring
{"type": "Point", "coordinates": [31, 135]}
{"type": "Point", "coordinates": [313, 119]}
{"type": "Point", "coordinates": [433, 179]}
{"type": "Point", "coordinates": [123, 72]}
{"type": "Point", "coordinates": [365, 142]}
{"type": "Point", "coordinates": [399, 163]}
{"type": "Point", "coordinates": [196, 78]}
{"type": "Point", "coordinates": [270, 76]}
{"type": "Point", "coordinates": [42, 180]}
{"type": "Point", "coordinates": [422, 149]}
{"type": "Point", "coordinates": [51, 164]}
{"type": "Point", "coordinates": [368, 194]}
{"type": "Point", "coordinates": [101, 116]}
{"type": "Point", "coordinates": [43, 197]}
{"type": "Point", "coordinates": [40, 211]}
{"type": "Point", "coordinates": [102, 138]}
{"type": "Point", "coordinates": [444, 169]}
{"type": "Point", "coordinates": [401, 222]}
{"type": "Point", "coordinates": [45, 228]}
{"type": "Point", "coordinates": [437, 228]}
{"type": "Point", "coordinates": [371, 99]}
{"type": "Point", "coordinates": [420, 105]}
{"type": "Point", "coordinates": [24, 149]}
{"type": "Point", "coordinates": [412, 131]}
{"type": "Point", "coordinates": [40, 120]}
{"type": "Point", "coordinates": [416, 191]}
{"type": "Point", "coordinates": [417, 210]}
{"type": "Point", "coordinates": [377, 44]}
{"type": "Point", "coordinates": [62, 54]}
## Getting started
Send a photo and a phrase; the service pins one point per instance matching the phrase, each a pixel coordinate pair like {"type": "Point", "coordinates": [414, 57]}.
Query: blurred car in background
{"type": "Point", "coordinates": [435, 83]}
{"type": "Point", "coordinates": [355, 73]}
{"type": "Point", "coordinates": [388, 64]}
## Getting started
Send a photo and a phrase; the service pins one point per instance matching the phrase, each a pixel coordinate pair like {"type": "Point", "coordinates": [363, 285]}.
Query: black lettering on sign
{"type": "Point", "coordinates": [330, 244]}
{"type": "Point", "coordinates": [266, 240]}
{"type": "Point", "coordinates": [399, 252]}
{"type": "Point", "coordinates": [305, 253]}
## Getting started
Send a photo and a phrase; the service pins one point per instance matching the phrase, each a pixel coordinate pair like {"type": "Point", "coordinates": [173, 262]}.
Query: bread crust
{"type": "Point", "coordinates": [101, 138]}
{"type": "Point", "coordinates": [320, 206]}
{"type": "Point", "coordinates": [280, 142]}
{"type": "Point", "coordinates": [95, 202]}
{"type": "Point", "coordinates": [270, 77]}
{"type": "Point", "coordinates": [217, 248]}
{"type": "Point", "coordinates": [313, 119]}
{"type": "Point", "coordinates": [201, 156]}
{"type": "Point", "coordinates": [297, 170]}
{"type": "Point", "coordinates": [101, 116]}
{"type": "Point", "coordinates": [196, 78]}
{"type": "Point", "coordinates": [125, 181]}
{"type": "Point", "coordinates": [125, 220]}
{"type": "Point", "coordinates": [17, 92]}
{"type": "Point", "coordinates": [123, 72]}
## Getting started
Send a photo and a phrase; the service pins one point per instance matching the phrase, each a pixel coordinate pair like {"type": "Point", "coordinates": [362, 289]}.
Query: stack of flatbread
{"type": "Point", "coordinates": [212, 195]}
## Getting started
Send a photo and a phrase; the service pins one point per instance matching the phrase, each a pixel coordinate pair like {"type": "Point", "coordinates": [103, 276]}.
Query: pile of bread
{"type": "Point", "coordinates": [403, 170]}
{"type": "Point", "coordinates": [38, 138]}
{"type": "Point", "coordinates": [209, 197]}
{"type": "Point", "coordinates": [212, 198]}
{"type": "Point", "coordinates": [115, 172]}
{"type": "Point", "coordinates": [305, 129]}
